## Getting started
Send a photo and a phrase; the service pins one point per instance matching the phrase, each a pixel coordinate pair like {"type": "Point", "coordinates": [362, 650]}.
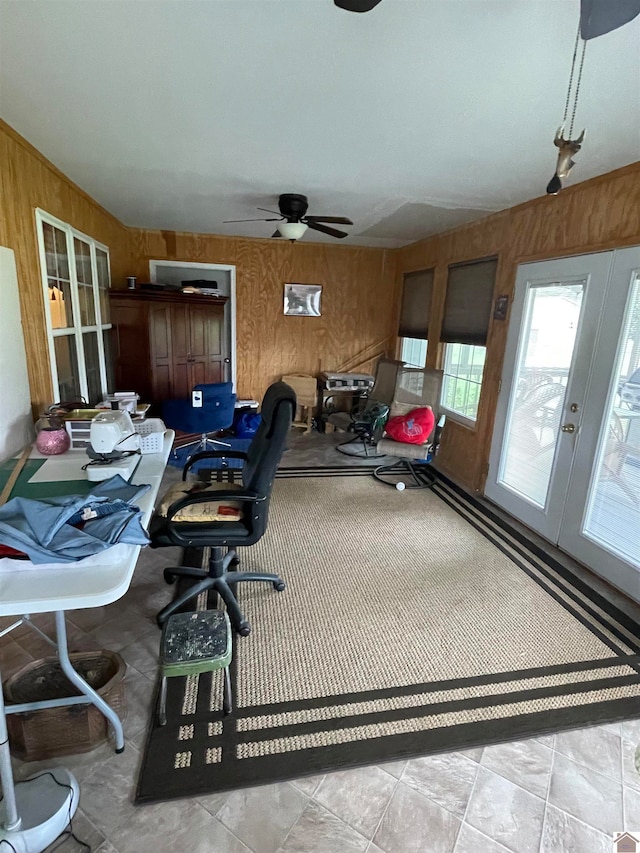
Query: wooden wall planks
{"type": "Point", "coordinates": [361, 286]}
{"type": "Point", "coordinates": [358, 298]}
{"type": "Point", "coordinates": [593, 216]}
{"type": "Point", "coordinates": [28, 181]}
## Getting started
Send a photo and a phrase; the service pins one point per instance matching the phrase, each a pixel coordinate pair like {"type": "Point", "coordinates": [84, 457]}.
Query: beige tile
{"type": "Point", "coordinates": [106, 847]}
{"type": "Point", "coordinates": [396, 768]}
{"type": "Point", "coordinates": [447, 779]}
{"type": "Point", "coordinates": [319, 831]}
{"type": "Point", "coordinates": [526, 763]}
{"type": "Point", "coordinates": [630, 771]}
{"type": "Point", "coordinates": [12, 658]}
{"type": "Point", "coordinates": [472, 841]}
{"type": "Point", "coordinates": [563, 832]}
{"type": "Point", "coordinates": [474, 753]}
{"type": "Point", "coordinates": [631, 730]}
{"type": "Point", "coordinates": [140, 693]}
{"type": "Point", "coordinates": [414, 824]}
{"type": "Point", "coordinates": [595, 748]}
{"type": "Point", "coordinates": [505, 812]}
{"type": "Point", "coordinates": [175, 826]}
{"type": "Point", "coordinates": [262, 817]}
{"type": "Point", "coordinates": [631, 809]}
{"type": "Point", "coordinates": [143, 653]}
{"type": "Point", "coordinates": [106, 796]}
{"type": "Point", "coordinates": [84, 830]}
{"type": "Point", "coordinates": [588, 796]}
{"type": "Point", "coordinates": [122, 629]}
{"type": "Point", "coordinates": [214, 802]}
{"type": "Point", "coordinates": [358, 797]}
{"type": "Point", "coordinates": [308, 784]}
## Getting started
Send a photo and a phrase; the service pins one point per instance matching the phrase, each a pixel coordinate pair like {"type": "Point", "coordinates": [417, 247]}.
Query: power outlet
{"type": "Point", "coordinates": [196, 399]}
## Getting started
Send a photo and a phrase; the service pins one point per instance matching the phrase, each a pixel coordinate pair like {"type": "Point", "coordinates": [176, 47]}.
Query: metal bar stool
{"type": "Point", "coordinates": [193, 643]}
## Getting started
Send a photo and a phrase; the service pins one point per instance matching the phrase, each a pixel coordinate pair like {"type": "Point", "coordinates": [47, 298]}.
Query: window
{"type": "Point", "coordinates": [414, 352]}
{"type": "Point", "coordinates": [465, 325]}
{"type": "Point", "coordinates": [463, 369]}
{"type": "Point", "coordinates": [413, 327]}
{"type": "Point", "coordinates": [75, 275]}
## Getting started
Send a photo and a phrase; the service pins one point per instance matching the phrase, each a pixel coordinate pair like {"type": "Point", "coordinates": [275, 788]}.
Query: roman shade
{"type": "Point", "coordinates": [468, 304]}
{"type": "Point", "coordinates": [416, 305]}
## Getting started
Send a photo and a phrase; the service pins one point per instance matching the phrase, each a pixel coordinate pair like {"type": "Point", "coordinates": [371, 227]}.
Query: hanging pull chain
{"type": "Point", "coordinates": [575, 100]}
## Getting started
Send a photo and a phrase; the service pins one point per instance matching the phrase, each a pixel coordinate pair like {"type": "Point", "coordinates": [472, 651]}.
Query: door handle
{"type": "Point", "coordinates": [227, 361]}
{"type": "Point", "coordinates": [568, 427]}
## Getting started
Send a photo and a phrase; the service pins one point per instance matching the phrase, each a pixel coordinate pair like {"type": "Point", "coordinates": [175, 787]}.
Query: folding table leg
{"type": "Point", "coordinates": [81, 684]}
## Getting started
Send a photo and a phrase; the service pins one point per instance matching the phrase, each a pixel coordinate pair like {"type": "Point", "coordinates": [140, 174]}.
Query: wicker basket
{"type": "Point", "coordinates": [51, 732]}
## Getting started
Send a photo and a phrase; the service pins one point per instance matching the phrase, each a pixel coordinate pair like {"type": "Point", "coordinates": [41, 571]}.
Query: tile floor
{"type": "Point", "coordinates": [567, 792]}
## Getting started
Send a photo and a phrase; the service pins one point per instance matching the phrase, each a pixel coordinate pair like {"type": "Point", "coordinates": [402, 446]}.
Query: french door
{"type": "Point", "coordinates": [565, 457]}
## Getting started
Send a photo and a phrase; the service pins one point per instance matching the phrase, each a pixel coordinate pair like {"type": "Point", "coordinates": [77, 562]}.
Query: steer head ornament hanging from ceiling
{"type": "Point", "coordinates": [566, 150]}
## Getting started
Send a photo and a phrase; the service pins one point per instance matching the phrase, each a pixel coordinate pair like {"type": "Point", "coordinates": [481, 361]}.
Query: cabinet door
{"type": "Point", "coordinates": [181, 384]}
{"type": "Point", "coordinates": [160, 335]}
{"type": "Point", "coordinates": [131, 347]}
{"type": "Point", "coordinates": [212, 320]}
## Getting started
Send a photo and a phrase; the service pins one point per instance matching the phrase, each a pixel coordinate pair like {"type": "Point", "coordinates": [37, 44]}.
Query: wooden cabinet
{"type": "Point", "coordinates": [165, 343]}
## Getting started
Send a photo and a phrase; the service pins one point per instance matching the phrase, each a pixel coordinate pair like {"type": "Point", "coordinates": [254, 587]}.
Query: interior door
{"type": "Point", "coordinates": [601, 525]}
{"type": "Point", "coordinates": [554, 320]}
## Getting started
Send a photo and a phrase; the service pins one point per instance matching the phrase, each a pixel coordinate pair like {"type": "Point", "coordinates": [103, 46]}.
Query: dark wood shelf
{"type": "Point", "coordinates": [143, 295]}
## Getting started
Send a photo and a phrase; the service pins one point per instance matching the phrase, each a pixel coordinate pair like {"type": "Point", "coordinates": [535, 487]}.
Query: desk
{"type": "Point", "coordinates": [26, 588]}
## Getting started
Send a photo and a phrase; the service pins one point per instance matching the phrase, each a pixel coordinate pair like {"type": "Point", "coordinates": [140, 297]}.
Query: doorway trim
{"type": "Point", "coordinates": [230, 268]}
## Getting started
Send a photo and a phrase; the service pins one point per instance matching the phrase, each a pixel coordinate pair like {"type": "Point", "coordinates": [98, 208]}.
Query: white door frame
{"type": "Point", "coordinates": [594, 433]}
{"type": "Point", "coordinates": [230, 268]}
{"type": "Point", "coordinates": [594, 270]}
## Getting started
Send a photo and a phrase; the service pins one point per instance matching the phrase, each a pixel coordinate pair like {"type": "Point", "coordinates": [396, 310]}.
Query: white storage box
{"type": "Point", "coordinates": [151, 432]}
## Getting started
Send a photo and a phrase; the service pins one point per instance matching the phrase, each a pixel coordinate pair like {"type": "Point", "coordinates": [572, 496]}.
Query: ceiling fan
{"type": "Point", "coordinates": [292, 210]}
{"type": "Point", "coordinates": [357, 5]}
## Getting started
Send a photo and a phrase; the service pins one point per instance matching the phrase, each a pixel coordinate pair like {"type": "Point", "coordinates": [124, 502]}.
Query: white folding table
{"type": "Point", "coordinates": [26, 589]}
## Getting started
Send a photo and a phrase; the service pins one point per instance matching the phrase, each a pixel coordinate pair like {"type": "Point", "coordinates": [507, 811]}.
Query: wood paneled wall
{"type": "Point", "coordinates": [27, 181]}
{"type": "Point", "coordinates": [596, 215]}
{"type": "Point", "coordinates": [361, 286]}
{"type": "Point", "coordinates": [358, 301]}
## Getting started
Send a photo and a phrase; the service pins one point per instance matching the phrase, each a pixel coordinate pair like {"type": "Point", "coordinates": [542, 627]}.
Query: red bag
{"type": "Point", "coordinates": [413, 428]}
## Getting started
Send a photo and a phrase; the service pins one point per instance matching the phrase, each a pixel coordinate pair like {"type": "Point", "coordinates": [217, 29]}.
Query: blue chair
{"type": "Point", "coordinates": [215, 414]}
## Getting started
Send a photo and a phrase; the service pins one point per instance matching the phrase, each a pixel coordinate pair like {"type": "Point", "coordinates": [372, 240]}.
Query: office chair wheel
{"type": "Point", "coordinates": [279, 585]}
{"type": "Point", "coordinates": [244, 629]}
{"type": "Point", "coordinates": [169, 576]}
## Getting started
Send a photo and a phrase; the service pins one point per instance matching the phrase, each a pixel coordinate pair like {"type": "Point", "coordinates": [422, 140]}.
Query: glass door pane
{"type": "Point", "coordinates": [59, 285]}
{"type": "Point", "coordinates": [67, 367]}
{"type": "Point", "coordinates": [102, 266]}
{"type": "Point", "coordinates": [547, 339]}
{"type": "Point", "coordinates": [92, 367]}
{"type": "Point", "coordinates": [85, 282]}
{"type": "Point", "coordinates": [613, 505]}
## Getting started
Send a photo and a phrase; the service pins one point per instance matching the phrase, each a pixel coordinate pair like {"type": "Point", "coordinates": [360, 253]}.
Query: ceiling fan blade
{"type": "Point", "coordinates": [227, 221]}
{"type": "Point", "coordinates": [266, 210]}
{"type": "Point", "coordinates": [276, 233]}
{"type": "Point", "coordinates": [337, 220]}
{"type": "Point", "coordinates": [333, 232]}
{"type": "Point", "coordinates": [598, 17]}
{"type": "Point", "coordinates": [357, 5]}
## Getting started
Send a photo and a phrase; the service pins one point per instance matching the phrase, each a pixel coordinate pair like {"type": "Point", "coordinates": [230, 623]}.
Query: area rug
{"type": "Point", "coordinates": [412, 623]}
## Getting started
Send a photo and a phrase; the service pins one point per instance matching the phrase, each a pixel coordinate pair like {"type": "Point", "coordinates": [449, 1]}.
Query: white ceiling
{"type": "Point", "coordinates": [409, 119]}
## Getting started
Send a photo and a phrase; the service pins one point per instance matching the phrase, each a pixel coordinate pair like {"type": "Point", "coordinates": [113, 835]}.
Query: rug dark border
{"type": "Point", "coordinates": [547, 559]}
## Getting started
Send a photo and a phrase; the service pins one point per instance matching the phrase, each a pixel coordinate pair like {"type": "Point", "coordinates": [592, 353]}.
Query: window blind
{"type": "Point", "coordinates": [416, 305]}
{"type": "Point", "coordinates": [468, 303]}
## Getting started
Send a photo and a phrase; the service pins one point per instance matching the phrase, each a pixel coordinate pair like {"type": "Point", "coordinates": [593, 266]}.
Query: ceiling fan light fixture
{"type": "Point", "coordinates": [291, 230]}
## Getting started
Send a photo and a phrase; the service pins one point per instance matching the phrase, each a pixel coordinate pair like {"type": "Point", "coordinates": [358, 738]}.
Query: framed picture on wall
{"type": "Point", "coordinates": [302, 300]}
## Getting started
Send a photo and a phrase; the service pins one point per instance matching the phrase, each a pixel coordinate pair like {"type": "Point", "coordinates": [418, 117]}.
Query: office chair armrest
{"type": "Point", "coordinates": [212, 454]}
{"type": "Point", "coordinates": [205, 496]}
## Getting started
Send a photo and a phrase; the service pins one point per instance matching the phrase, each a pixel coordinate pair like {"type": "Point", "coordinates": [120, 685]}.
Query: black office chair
{"type": "Point", "coordinates": [177, 524]}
